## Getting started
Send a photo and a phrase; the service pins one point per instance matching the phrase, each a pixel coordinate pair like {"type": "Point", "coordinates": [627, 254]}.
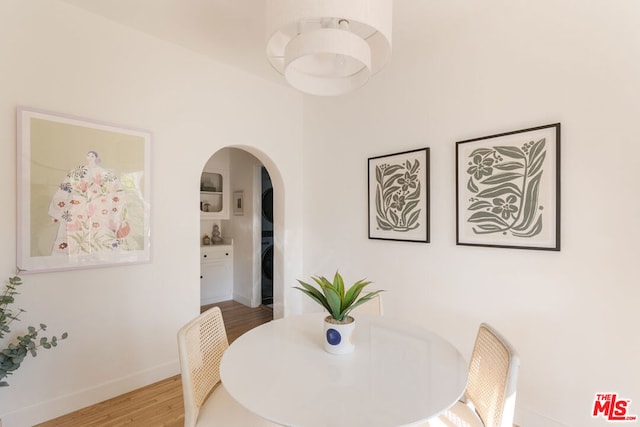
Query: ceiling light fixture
{"type": "Point", "coordinates": [328, 47]}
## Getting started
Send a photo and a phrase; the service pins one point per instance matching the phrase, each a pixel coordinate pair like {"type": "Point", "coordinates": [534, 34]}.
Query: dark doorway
{"type": "Point", "coordinates": [267, 239]}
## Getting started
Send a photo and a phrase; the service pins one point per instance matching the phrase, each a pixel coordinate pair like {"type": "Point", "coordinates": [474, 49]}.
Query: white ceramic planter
{"type": "Point", "coordinates": [338, 337]}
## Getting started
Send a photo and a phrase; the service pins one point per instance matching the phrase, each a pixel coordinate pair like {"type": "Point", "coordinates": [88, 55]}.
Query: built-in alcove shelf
{"type": "Point", "coordinates": [213, 195]}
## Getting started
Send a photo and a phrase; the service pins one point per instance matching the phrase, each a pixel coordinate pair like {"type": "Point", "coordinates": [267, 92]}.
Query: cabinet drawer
{"type": "Point", "coordinates": [212, 254]}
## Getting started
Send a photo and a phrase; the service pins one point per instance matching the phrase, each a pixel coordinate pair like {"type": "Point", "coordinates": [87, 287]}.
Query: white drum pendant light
{"type": "Point", "coordinates": [328, 47]}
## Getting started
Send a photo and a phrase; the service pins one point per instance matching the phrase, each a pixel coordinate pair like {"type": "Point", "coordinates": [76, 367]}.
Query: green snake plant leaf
{"type": "Point", "coordinates": [353, 292]}
{"type": "Point", "coordinates": [337, 303]}
{"type": "Point", "coordinates": [329, 292]}
{"type": "Point", "coordinates": [361, 301]}
{"type": "Point", "coordinates": [321, 281]}
{"type": "Point", "coordinates": [506, 188]}
{"type": "Point", "coordinates": [338, 284]}
{"type": "Point", "coordinates": [513, 152]}
{"type": "Point", "coordinates": [314, 294]}
{"type": "Point", "coordinates": [334, 300]}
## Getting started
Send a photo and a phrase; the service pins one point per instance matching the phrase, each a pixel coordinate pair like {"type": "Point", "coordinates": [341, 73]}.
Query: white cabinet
{"type": "Point", "coordinates": [216, 274]}
{"type": "Point", "coordinates": [214, 194]}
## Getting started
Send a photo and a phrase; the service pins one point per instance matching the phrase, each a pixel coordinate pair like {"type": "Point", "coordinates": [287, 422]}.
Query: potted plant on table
{"type": "Point", "coordinates": [12, 356]}
{"type": "Point", "coordinates": [338, 301]}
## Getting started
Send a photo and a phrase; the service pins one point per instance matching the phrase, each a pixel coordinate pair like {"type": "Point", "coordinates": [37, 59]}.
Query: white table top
{"type": "Point", "coordinates": [398, 375]}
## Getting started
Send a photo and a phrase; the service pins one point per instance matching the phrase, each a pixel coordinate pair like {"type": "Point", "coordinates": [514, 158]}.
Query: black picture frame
{"type": "Point", "coordinates": [398, 196]}
{"type": "Point", "coordinates": [508, 189]}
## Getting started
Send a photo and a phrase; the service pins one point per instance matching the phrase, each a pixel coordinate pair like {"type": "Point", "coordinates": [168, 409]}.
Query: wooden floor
{"type": "Point", "coordinates": [159, 404]}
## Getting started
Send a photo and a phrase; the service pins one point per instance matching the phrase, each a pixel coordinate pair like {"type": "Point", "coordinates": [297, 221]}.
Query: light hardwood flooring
{"type": "Point", "coordinates": [159, 404]}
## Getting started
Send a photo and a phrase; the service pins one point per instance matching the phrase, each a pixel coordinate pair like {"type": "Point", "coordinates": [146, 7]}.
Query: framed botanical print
{"type": "Point", "coordinates": [399, 196]}
{"type": "Point", "coordinates": [508, 189]}
{"type": "Point", "coordinates": [238, 202]}
{"type": "Point", "coordinates": [83, 193]}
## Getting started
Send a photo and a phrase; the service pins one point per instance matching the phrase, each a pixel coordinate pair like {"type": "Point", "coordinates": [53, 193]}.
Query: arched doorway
{"type": "Point", "coordinates": [252, 221]}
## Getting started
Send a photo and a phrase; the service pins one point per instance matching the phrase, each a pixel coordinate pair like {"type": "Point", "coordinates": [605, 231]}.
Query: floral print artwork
{"type": "Point", "coordinates": [75, 211]}
{"type": "Point", "coordinates": [504, 182]}
{"type": "Point", "coordinates": [508, 189]}
{"type": "Point", "coordinates": [398, 195]}
{"type": "Point", "coordinates": [90, 208]}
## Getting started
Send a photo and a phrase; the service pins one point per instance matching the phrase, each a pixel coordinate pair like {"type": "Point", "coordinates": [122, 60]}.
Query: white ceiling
{"type": "Point", "coordinates": [233, 31]}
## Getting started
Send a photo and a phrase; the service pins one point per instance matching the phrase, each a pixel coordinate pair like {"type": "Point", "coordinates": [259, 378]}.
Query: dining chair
{"type": "Point", "coordinates": [490, 396]}
{"type": "Point", "coordinates": [373, 306]}
{"type": "Point", "coordinates": [201, 344]}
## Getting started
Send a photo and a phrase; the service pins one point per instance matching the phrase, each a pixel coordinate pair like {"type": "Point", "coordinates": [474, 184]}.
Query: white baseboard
{"type": "Point", "coordinates": [207, 301]}
{"type": "Point", "coordinates": [62, 405]}
{"type": "Point", "coordinates": [243, 300]}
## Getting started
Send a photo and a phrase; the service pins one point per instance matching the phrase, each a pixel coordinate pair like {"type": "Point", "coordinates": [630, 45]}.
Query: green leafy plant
{"type": "Point", "coordinates": [17, 350]}
{"type": "Point", "coordinates": [335, 297]}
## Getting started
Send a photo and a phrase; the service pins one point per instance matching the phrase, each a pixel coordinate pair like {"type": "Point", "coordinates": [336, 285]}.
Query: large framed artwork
{"type": "Point", "coordinates": [399, 196]}
{"type": "Point", "coordinates": [508, 189]}
{"type": "Point", "coordinates": [83, 193]}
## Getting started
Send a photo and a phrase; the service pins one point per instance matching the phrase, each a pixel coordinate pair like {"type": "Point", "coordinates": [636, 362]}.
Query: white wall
{"type": "Point", "coordinates": [122, 321]}
{"type": "Point", "coordinates": [573, 315]}
{"type": "Point", "coordinates": [242, 228]}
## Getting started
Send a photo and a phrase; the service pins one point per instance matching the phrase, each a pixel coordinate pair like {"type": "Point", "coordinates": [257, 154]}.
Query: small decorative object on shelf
{"type": "Point", "coordinates": [216, 238]}
{"type": "Point", "coordinates": [14, 354]}
{"type": "Point", "coordinates": [339, 302]}
{"type": "Point", "coordinates": [206, 241]}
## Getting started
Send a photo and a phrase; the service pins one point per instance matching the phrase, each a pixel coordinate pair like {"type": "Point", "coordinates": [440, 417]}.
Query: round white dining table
{"type": "Point", "coordinates": [399, 374]}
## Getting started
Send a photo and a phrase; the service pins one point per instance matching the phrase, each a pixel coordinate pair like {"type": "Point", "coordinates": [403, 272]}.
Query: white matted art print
{"type": "Point", "coordinates": [399, 196]}
{"type": "Point", "coordinates": [83, 193]}
{"type": "Point", "coordinates": [508, 189]}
